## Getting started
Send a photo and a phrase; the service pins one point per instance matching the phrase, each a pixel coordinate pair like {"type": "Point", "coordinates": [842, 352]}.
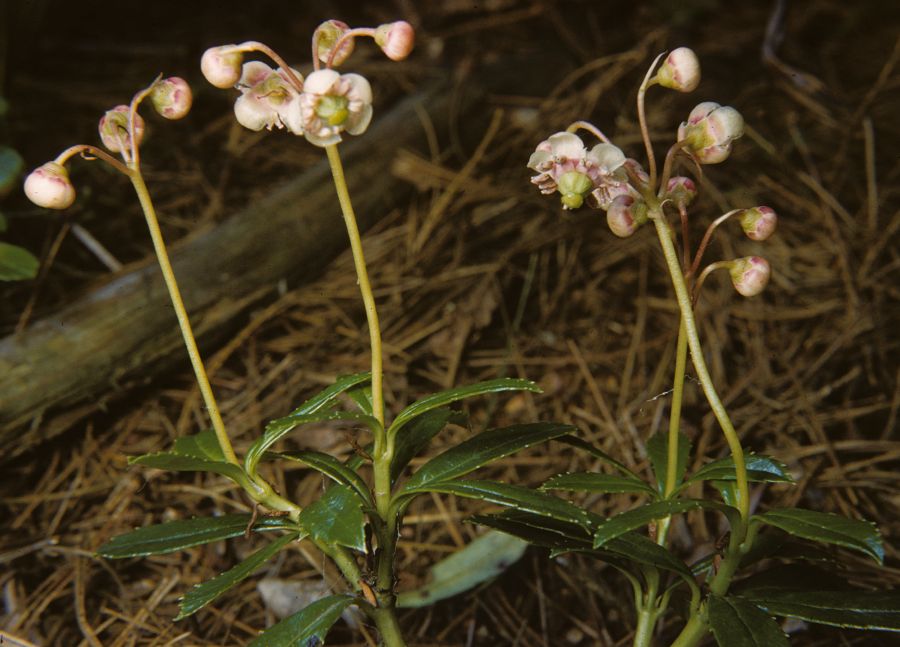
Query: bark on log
{"type": "Point", "coordinates": [124, 331]}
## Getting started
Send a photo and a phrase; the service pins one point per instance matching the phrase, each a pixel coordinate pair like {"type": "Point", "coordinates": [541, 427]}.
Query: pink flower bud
{"type": "Point", "coordinates": [759, 222]}
{"type": "Point", "coordinates": [396, 39]}
{"type": "Point", "coordinates": [114, 129]}
{"type": "Point", "coordinates": [710, 130]}
{"type": "Point", "coordinates": [48, 186]}
{"type": "Point", "coordinates": [680, 71]}
{"type": "Point", "coordinates": [327, 35]}
{"type": "Point", "coordinates": [750, 275]}
{"type": "Point", "coordinates": [681, 190]}
{"type": "Point", "coordinates": [222, 67]}
{"type": "Point", "coordinates": [625, 215]}
{"type": "Point", "coordinates": [172, 97]}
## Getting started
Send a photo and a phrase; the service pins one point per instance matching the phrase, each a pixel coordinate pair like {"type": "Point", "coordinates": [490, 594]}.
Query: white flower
{"type": "Point", "coordinates": [266, 96]}
{"type": "Point", "coordinates": [330, 104]}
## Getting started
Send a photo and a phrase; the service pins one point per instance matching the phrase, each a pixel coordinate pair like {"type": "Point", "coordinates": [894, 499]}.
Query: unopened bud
{"type": "Point", "coordinates": [48, 186]}
{"type": "Point", "coordinates": [750, 275]}
{"type": "Point", "coordinates": [573, 186]}
{"type": "Point", "coordinates": [114, 129]}
{"type": "Point", "coordinates": [625, 215]}
{"type": "Point", "coordinates": [396, 39]}
{"type": "Point", "coordinates": [710, 130]}
{"type": "Point", "coordinates": [681, 190]}
{"type": "Point", "coordinates": [222, 65]}
{"type": "Point", "coordinates": [172, 97]}
{"type": "Point", "coordinates": [680, 71]}
{"type": "Point", "coordinates": [759, 222]}
{"type": "Point", "coordinates": [327, 36]}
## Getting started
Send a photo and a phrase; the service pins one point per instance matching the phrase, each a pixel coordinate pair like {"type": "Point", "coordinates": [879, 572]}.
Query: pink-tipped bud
{"type": "Point", "coordinates": [114, 129]}
{"type": "Point", "coordinates": [222, 65]}
{"type": "Point", "coordinates": [680, 71]}
{"type": "Point", "coordinates": [396, 39]}
{"type": "Point", "coordinates": [625, 215]}
{"type": "Point", "coordinates": [327, 35]}
{"type": "Point", "coordinates": [681, 190]}
{"type": "Point", "coordinates": [172, 97]}
{"type": "Point", "coordinates": [48, 186]}
{"type": "Point", "coordinates": [759, 223]}
{"type": "Point", "coordinates": [750, 275]}
{"type": "Point", "coordinates": [710, 130]}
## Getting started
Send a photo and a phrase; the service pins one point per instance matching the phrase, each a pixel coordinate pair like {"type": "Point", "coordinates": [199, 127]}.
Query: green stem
{"type": "Point", "coordinates": [693, 339]}
{"type": "Point", "coordinates": [181, 313]}
{"type": "Point", "coordinates": [647, 614]}
{"type": "Point", "coordinates": [675, 415]}
{"type": "Point", "coordinates": [388, 626]}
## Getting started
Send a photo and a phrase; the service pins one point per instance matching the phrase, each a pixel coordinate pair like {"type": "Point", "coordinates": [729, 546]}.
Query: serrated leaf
{"type": "Point", "coordinates": [760, 469]}
{"type": "Point", "coordinates": [443, 398]}
{"type": "Point", "coordinates": [643, 515]}
{"type": "Point", "coordinates": [737, 623]}
{"type": "Point", "coordinates": [416, 437]}
{"type": "Point", "coordinates": [578, 443]}
{"type": "Point", "coordinates": [482, 449]}
{"type": "Point", "coordinates": [185, 533]}
{"type": "Point", "coordinates": [658, 452]}
{"type": "Point", "coordinates": [202, 594]}
{"type": "Point", "coordinates": [184, 463]}
{"type": "Point", "coordinates": [277, 429]}
{"type": "Point", "coordinates": [17, 263]}
{"type": "Point", "coordinates": [777, 544]}
{"type": "Point", "coordinates": [328, 395]}
{"type": "Point", "coordinates": [827, 528]}
{"type": "Point", "coordinates": [308, 627]}
{"type": "Point", "coordinates": [336, 518]}
{"type": "Point", "coordinates": [728, 491]}
{"type": "Point", "coordinates": [597, 482]}
{"type": "Point", "coordinates": [483, 559]}
{"type": "Point", "coordinates": [871, 610]}
{"type": "Point", "coordinates": [645, 551]}
{"type": "Point", "coordinates": [333, 469]}
{"type": "Point", "coordinates": [203, 445]}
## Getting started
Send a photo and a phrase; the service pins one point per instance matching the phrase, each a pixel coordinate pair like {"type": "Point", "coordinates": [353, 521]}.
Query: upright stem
{"type": "Point", "coordinates": [178, 305]}
{"type": "Point", "coordinates": [675, 415]}
{"type": "Point", "coordinates": [693, 339]}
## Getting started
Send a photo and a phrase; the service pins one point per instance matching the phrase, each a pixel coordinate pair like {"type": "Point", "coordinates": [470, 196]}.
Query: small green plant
{"type": "Point", "coordinates": [737, 612]}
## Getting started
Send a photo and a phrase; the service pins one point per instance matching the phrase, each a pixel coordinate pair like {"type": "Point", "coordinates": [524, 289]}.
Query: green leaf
{"type": "Point", "coordinates": [4, 224]}
{"type": "Point", "coordinates": [482, 449]}
{"type": "Point", "coordinates": [333, 469]}
{"type": "Point", "coordinates": [737, 623]}
{"type": "Point", "coordinates": [17, 263]}
{"type": "Point", "coordinates": [277, 429]}
{"type": "Point", "coordinates": [599, 454]}
{"type": "Point", "coordinates": [644, 550]}
{"type": "Point", "coordinates": [362, 397]}
{"type": "Point", "coordinates": [872, 610]}
{"type": "Point", "coordinates": [185, 533]}
{"type": "Point", "coordinates": [827, 528]}
{"type": "Point", "coordinates": [308, 627]}
{"type": "Point", "coordinates": [416, 437]}
{"type": "Point", "coordinates": [728, 491]}
{"type": "Point", "coordinates": [11, 165]}
{"type": "Point", "coordinates": [202, 594]}
{"type": "Point", "coordinates": [327, 396]}
{"type": "Point", "coordinates": [639, 517]}
{"type": "Point", "coordinates": [443, 398]}
{"type": "Point", "coordinates": [204, 445]}
{"type": "Point", "coordinates": [484, 558]}
{"type": "Point", "coordinates": [185, 463]}
{"type": "Point", "coordinates": [597, 482]}
{"type": "Point", "coordinates": [760, 469]}
{"type": "Point", "coordinates": [658, 451]}
{"type": "Point", "coordinates": [336, 518]}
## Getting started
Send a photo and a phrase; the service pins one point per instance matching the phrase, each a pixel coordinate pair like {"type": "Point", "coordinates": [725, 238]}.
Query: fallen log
{"type": "Point", "coordinates": [69, 364]}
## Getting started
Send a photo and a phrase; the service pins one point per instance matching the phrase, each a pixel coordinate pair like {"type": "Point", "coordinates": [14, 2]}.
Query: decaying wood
{"type": "Point", "coordinates": [124, 332]}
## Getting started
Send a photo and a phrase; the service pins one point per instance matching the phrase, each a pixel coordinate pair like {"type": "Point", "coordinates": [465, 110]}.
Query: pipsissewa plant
{"type": "Point", "coordinates": [356, 521]}
{"type": "Point", "coordinates": [737, 613]}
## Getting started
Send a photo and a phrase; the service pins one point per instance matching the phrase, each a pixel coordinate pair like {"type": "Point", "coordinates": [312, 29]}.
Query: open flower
{"type": "Point", "coordinates": [564, 164]}
{"type": "Point", "coordinates": [330, 104]}
{"type": "Point", "coordinates": [710, 130]}
{"type": "Point", "coordinates": [266, 96]}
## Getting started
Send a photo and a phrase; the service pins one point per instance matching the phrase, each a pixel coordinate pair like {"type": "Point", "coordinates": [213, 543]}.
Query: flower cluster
{"type": "Point", "coordinates": [320, 107]}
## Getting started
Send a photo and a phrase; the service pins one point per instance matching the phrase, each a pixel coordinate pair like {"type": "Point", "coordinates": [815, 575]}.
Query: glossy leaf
{"type": "Point", "coordinates": [333, 469]}
{"type": "Point", "coordinates": [17, 263]}
{"type": "Point", "coordinates": [202, 594]}
{"type": "Point", "coordinates": [643, 550]}
{"type": "Point", "coordinates": [185, 463]}
{"type": "Point", "coordinates": [185, 533]}
{"type": "Point", "coordinates": [642, 516]}
{"type": "Point", "coordinates": [328, 395]}
{"type": "Point", "coordinates": [514, 496]}
{"type": "Point", "coordinates": [443, 398]}
{"type": "Point", "coordinates": [203, 445]}
{"type": "Point", "coordinates": [362, 397]}
{"type": "Point", "coordinates": [416, 437]}
{"type": "Point", "coordinates": [760, 469]}
{"type": "Point", "coordinates": [857, 609]}
{"type": "Point", "coordinates": [484, 558]}
{"type": "Point", "coordinates": [277, 429]}
{"type": "Point", "coordinates": [482, 449]}
{"type": "Point", "coordinates": [597, 482]}
{"type": "Point", "coordinates": [737, 623]}
{"type": "Point", "coordinates": [827, 528]}
{"type": "Point", "coordinates": [575, 441]}
{"type": "Point", "coordinates": [306, 628]}
{"type": "Point", "coordinates": [336, 518]}
{"type": "Point", "coordinates": [658, 452]}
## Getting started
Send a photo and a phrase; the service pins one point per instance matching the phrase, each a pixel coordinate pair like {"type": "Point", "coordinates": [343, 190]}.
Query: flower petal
{"type": "Point", "coordinates": [607, 156]}
{"type": "Point", "coordinates": [568, 145]}
{"type": "Point", "coordinates": [358, 122]}
{"type": "Point", "coordinates": [360, 90]}
{"type": "Point", "coordinates": [321, 81]}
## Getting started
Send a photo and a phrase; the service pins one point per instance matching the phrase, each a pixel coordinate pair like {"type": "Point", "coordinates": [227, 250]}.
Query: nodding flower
{"type": "Point", "coordinates": [680, 71]}
{"type": "Point", "coordinates": [113, 129]}
{"type": "Point", "coordinates": [222, 66]}
{"type": "Point", "coordinates": [172, 97]}
{"type": "Point", "coordinates": [710, 130]}
{"type": "Point", "coordinates": [48, 186]}
{"type": "Point", "coordinates": [331, 103]}
{"type": "Point", "coordinates": [750, 275]}
{"type": "Point", "coordinates": [396, 39]}
{"type": "Point", "coordinates": [327, 36]}
{"type": "Point", "coordinates": [625, 215]}
{"type": "Point", "coordinates": [266, 97]}
{"type": "Point", "coordinates": [758, 223]}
